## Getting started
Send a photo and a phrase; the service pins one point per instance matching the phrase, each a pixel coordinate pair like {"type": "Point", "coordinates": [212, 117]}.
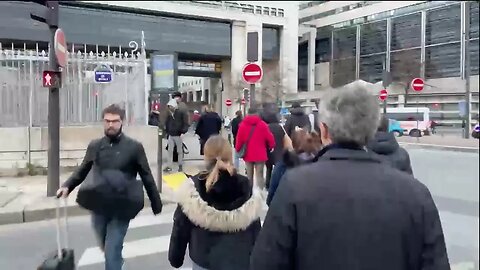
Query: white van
{"type": "Point", "coordinates": [415, 121]}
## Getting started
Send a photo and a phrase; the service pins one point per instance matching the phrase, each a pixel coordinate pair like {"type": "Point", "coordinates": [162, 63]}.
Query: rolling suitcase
{"type": "Point", "coordinates": [63, 258]}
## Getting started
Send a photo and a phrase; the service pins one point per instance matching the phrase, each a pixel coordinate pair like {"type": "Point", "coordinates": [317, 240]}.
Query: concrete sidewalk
{"type": "Point", "coordinates": [436, 142]}
{"type": "Point", "coordinates": [23, 199]}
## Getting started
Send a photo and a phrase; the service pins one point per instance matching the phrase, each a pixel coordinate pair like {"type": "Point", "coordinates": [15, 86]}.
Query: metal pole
{"type": "Point", "coordinates": [468, 122]}
{"type": "Point", "coordinates": [30, 111]}
{"type": "Point", "coordinates": [159, 156]}
{"type": "Point", "coordinates": [252, 96]}
{"type": "Point", "coordinates": [53, 124]}
{"type": "Point", "coordinates": [385, 107]}
{"type": "Point", "coordinates": [416, 117]}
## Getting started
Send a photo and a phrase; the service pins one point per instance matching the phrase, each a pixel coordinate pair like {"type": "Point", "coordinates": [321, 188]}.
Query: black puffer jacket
{"type": "Point", "coordinates": [298, 118]}
{"type": "Point", "coordinates": [121, 153]}
{"type": "Point", "coordinates": [273, 122]}
{"type": "Point", "coordinates": [176, 123]}
{"type": "Point", "coordinates": [386, 146]}
{"type": "Point", "coordinates": [219, 226]}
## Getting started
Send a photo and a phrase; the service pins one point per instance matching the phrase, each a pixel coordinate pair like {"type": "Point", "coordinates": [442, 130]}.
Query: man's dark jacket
{"type": "Point", "coordinates": [297, 118]}
{"type": "Point", "coordinates": [386, 146]}
{"type": "Point", "coordinates": [348, 211]}
{"type": "Point", "coordinates": [176, 123]}
{"type": "Point", "coordinates": [235, 125]}
{"type": "Point", "coordinates": [124, 154]}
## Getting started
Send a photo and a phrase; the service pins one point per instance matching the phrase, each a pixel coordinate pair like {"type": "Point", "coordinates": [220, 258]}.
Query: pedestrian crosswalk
{"type": "Point", "coordinates": [145, 247]}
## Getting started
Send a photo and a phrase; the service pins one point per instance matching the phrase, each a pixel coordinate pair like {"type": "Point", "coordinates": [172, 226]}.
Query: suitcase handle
{"type": "Point", "coordinates": [65, 226]}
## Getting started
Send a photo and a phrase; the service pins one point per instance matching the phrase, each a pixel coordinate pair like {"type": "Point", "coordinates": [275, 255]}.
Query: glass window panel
{"type": "Point", "coordinates": [373, 38]}
{"type": "Point", "coordinates": [406, 31]}
{"type": "Point", "coordinates": [344, 43]}
{"type": "Point", "coordinates": [271, 43]}
{"type": "Point", "coordinates": [322, 50]}
{"type": "Point", "coordinates": [474, 59]}
{"type": "Point", "coordinates": [371, 68]}
{"type": "Point", "coordinates": [343, 72]}
{"type": "Point", "coordinates": [443, 25]}
{"type": "Point", "coordinates": [405, 65]}
{"type": "Point", "coordinates": [442, 61]}
{"type": "Point", "coordinates": [474, 20]}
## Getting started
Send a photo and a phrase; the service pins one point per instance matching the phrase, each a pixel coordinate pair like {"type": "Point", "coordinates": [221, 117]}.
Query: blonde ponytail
{"type": "Point", "coordinates": [213, 175]}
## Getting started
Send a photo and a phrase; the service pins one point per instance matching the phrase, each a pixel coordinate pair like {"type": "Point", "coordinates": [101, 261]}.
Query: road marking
{"type": "Point", "coordinates": [149, 220]}
{"type": "Point", "coordinates": [439, 146]}
{"type": "Point", "coordinates": [137, 248]}
{"type": "Point", "coordinates": [131, 249]}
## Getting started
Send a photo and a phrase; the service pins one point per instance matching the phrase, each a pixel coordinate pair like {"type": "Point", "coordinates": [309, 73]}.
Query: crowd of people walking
{"type": "Point", "coordinates": [341, 195]}
{"type": "Point", "coordinates": [341, 191]}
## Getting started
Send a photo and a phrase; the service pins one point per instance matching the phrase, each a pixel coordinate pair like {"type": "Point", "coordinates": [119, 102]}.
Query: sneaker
{"type": "Point", "coordinates": [167, 169]}
{"type": "Point", "coordinates": [180, 168]}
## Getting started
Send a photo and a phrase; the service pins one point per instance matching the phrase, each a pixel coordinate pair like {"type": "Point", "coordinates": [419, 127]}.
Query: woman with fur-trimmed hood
{"type": "Point", "coordinates": [218, 214]}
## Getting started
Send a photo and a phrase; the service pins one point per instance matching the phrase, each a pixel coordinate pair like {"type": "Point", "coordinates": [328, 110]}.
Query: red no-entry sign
{"type": "Point", "coordinates": [383, 94]}
{"type": "Point", "coordinates": [418, 84]}
{"type": "Point", "coordinates": [252, 73]}
{"type": "Point", "coordinates": [60, 47]}
{"type": "Point", "coordinates": [228, 102]}
{"type": "Point", "coordinates": [243, 101]}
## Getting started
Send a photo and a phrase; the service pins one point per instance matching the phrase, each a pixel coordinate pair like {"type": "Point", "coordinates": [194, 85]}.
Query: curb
{"type": "Point", "coordinates": [24, 215]}
{"type": "Point", "coordinates": [440, 147]}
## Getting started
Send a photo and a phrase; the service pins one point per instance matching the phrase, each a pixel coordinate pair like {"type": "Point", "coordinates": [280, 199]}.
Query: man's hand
{"type": "Point", "coordinates": [62, 192]}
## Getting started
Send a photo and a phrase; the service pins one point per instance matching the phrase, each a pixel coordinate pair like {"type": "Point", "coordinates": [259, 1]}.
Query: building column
{"type": "Point", "coordinates": [311, 59]}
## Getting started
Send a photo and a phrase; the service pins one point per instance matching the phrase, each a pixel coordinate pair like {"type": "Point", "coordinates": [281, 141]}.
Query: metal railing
{"type": "Point", "coordinates": [24, 102]}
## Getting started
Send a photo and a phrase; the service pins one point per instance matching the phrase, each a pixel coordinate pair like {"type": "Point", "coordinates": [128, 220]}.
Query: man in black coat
{"type": "Point", "coordinates": [349, 210]}
{"type": "Point", "coordinates": [119, 158]}
{"type": "Point", "coordinates": [235, 125]}
{"type": "Point", "coordinates": [386, 146]}
{"type": "Point", "coordinates": [297, 119]}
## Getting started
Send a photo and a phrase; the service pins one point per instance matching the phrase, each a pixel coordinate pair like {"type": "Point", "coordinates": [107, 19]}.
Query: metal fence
{"type": "Point", "coordinates": [24, 102]}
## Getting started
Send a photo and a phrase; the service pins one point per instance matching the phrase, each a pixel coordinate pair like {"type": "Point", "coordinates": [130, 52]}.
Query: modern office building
{"type": "Point", "coordinates": [343, 41]}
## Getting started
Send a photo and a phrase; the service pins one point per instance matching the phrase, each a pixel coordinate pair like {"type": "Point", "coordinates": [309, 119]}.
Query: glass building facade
{"type": "Point", "coordinates": [422, 40]}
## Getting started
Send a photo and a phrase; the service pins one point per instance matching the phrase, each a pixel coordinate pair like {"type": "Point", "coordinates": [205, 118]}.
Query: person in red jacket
{"type": "Point", "coordinates": [260, 142]}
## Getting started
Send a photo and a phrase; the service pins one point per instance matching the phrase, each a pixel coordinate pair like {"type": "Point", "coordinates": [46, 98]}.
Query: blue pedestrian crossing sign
{"type": "Point", "coordinates": [284, 111]}
{"type": "Point", "coordinates": [103, 74]}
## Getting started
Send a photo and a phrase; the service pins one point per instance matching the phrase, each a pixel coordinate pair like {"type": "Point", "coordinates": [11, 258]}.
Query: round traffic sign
{"type": "Point", "coordinates": [228, 102]}
{"type": "Point", "coordinates": [383, 94]}
{"type": "Point", "coordinates": [60, 47]}
{"type": "Point", "coordinates": [418, 84]}
{"type": "Point", "coordinates": [252, 73]}
{"type": "Point", "coordinates": [243, 101]}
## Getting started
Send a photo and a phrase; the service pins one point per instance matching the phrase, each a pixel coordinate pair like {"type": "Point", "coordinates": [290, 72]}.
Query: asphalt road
{"type": "Point", "coordinates": [451, 176]}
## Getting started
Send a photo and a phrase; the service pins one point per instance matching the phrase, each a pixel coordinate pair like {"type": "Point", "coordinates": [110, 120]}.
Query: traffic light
{"type": "Point", "coordinates": [52, 79]}
{"type": "Point", "coordinates": [48, 14]}
{"type": "Point", "coordinates": [246, 94]}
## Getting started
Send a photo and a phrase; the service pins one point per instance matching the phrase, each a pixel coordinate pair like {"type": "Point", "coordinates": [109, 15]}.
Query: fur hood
{"type": "Point", "coordinates": [200, 213]}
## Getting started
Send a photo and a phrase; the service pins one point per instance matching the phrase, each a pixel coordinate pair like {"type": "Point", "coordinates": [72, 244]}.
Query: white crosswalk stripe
{"type": "Point", "coordinates": [135, 248]}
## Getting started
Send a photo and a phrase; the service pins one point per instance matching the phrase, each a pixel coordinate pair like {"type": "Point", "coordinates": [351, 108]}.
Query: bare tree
{"type": "Point", "coordinates": [405, 66]}
{"type": "Point", "coordinates": [272, 89]}
{"type": "Point", "coordinates": [237, 86]}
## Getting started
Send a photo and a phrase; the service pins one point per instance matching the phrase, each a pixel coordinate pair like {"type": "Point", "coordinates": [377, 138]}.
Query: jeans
{"type": "Point", "coordinates": [256, 168]}
{"type": "Point", "coordinates": [110, 233]}
{"type": "Point", "coordinates": [269, 167]}
{"type": "Point", "coordinates": [172, 141]}
{"type": "Point", "coordinates": [236, 160]}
